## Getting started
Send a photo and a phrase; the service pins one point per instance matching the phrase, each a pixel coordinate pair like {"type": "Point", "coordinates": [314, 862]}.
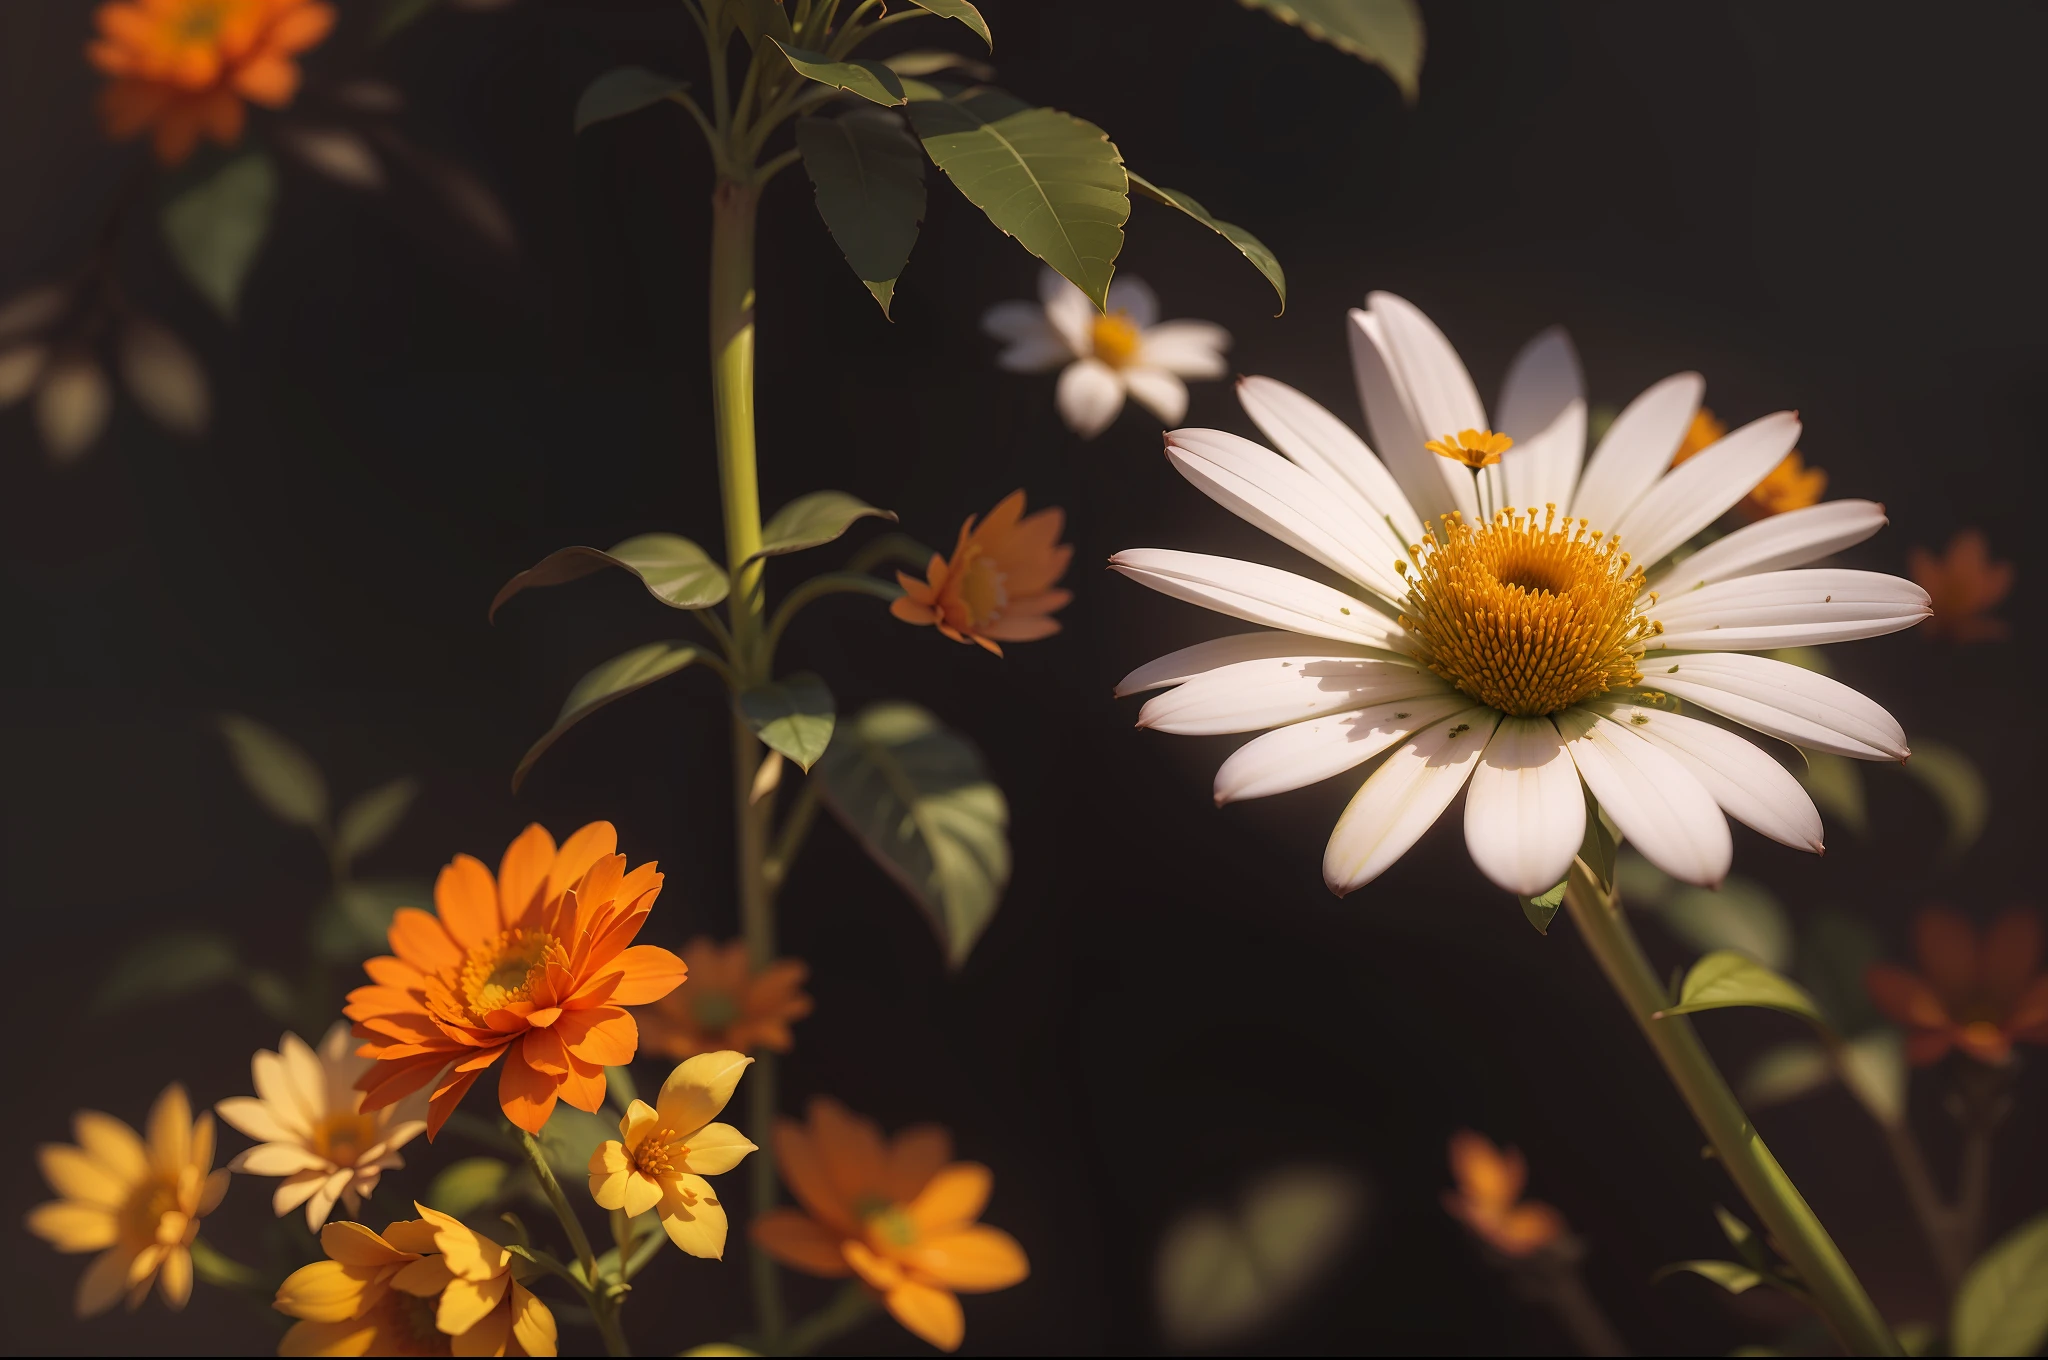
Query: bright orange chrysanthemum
{"type": "Point", "coordinates": [898, 1215]}
{"type": "Point", "coordinates": [1489, 1200]}
{"type": "Point", "coordinates": [999, 584]}
{"type": "Point", "coordinates": [1965, 585]}
{"type": "Point", "coordinates": [183, 67]}
{"type": "Point", "coordinates": [1980, 996]}
{"type": "Point", "coordinates": [534, 968]}
{"type": "Point", "coordinates": [1791, 485]}
{"type": "Point", "coordinates": [726, 1004]}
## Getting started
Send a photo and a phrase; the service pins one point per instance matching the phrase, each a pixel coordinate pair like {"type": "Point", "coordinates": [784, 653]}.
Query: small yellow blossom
{"type": "Point", "coordinates": [664, 1152]}
{"type": "Point", "coordinates": [1474, 448]}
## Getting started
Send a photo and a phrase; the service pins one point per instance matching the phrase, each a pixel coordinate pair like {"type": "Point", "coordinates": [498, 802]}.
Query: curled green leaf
{"type": "Point", "coordinates": [793, 716]}
{"type": "Point", "coordinates": [675, 571]}
{"type": "Point", "coordinates": [628, 89]}
{"type": "Point", "coordinates": [1247, 244]}
{"type": "Point", "coordinates": [615, 679]}
{"type": "Point", "coordinates": [1726, 978]}
{"type": "Point", "coordinates": [964, 12]}
{"type": "Point", "coordinates": [1386, 33]}
{"type": "Point", "coordinates": [871, 80]}
{"type": "Point", "coordinates": [814, 519]}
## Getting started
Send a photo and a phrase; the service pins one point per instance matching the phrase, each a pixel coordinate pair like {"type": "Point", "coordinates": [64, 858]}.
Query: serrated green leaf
{"type": "Point", "coordinates": [1741, 915]}
{"type": "Point", "coordinates": [1836, 786]}
{"type": "Point", "coordinates": [283, 778]}
{"type": "Point", "coordinates": [871, 80]}
{"type": "Point", "coordinates": [1726, 978]}
{"type": "Point", "coordinates": [1247, 244]}
{"type": "Point", "coordinates": [793, 715]}
{"type": "Point", "coordinates": [1051, 180]}
{"type": "Point", "coordinates": [868, 172]}
{"type": "Point", "coordinates": [164, 966]}
{"type": "Point", "coordinates": [1542, 909]}
{"type": "Point", "coordinates": [1956, 784]}
{"type": "Point", "coordinates": [815, 518]}
{"type": "Point", "coordinates": [1386, 33]}
{"type": "Point", "coordinates": [215, 228]}
{"type": "Point", "coordinates": [1736, 1279]}
{"type": "Point", "coordinates": [675, 571]}
{"type": "Point", "coordinates": [2001, 1308]}
{"type": "Point", "coordinates": [917, 797]}
{"type": "Point", "coordinates": [627, 89]}
{"type": "Point", "coordinates": [369, 819]}
{"type": "Point", "coordinates": [465, 1187]}
{"type": "Point", "coordinates": [615, 679]}
{"type": "Point", "coordinates": [964, 12]}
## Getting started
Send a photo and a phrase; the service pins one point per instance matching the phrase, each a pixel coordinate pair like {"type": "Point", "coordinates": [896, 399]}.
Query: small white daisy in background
{"type": "Point", "coordinates": [1516, 625]}
{"type": "Point", "coordinates": [307, 1119]}
{"type": "Point", "coordinates": [1104, 357]}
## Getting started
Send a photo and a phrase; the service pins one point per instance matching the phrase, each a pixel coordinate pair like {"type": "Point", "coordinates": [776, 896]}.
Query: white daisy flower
{"type": "Point", "coordinates": [310, 1128]}
{"type": "Point", "coordinates": [1127, 351]}
{"type": "Point", "coordinates": [1525, 651]}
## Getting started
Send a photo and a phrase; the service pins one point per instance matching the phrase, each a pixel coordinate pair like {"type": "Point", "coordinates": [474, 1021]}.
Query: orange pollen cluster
{"type": "Point", "coordinates": [661, 1155]}
{"type": "Point", "coordinates": [342, 1136]}
{"type": "Point", "coordinates": [1474, 448]}
{"type": "Point", "coordinates": [1527, 618]}
{"type": "Point", "coordinates": [504, 970]}
{"type": "Point", "coordinates": [1115, 338]}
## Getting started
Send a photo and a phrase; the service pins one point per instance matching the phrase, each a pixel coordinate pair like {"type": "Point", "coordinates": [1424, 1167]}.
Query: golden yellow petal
{"type": "Point", "coordinates": [69, 1225]}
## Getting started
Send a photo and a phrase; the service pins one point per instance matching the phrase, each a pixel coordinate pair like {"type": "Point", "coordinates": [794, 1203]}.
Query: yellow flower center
{"type": "Point", "coordinates": [200, 22]}
{"type": "Point", "coordinates": [889, 1223]}
{"type": "Point", "coordinates": [501, 971]}
{"type": "Point", "coordinates": [660, 1155]}
{"type": "Point", "coordinates": [1474, 448]}
{"type": "Point", "coordinates": [142, 1214]}
{"type": "Point", "coordinates": [1115, 338]}
{"type": "Point", "coordinates": [1524, 618]}
{"type": "Point", "coordinates": [979, 585]}
{"type": "Point", "coordinates": [341, 1138]}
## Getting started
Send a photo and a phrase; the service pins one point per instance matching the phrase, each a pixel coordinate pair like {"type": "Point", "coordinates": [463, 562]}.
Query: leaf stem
{"type": "Point", "coordinates": [850, 1307]}
{"type": "Point", "coordinates": [796, 824]}
{"type": "Point", "coordinates": [828, 583]}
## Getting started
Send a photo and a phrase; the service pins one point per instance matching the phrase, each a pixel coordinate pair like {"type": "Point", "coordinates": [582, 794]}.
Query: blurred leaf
{"type": "Point", "coordinates": [20, 366]}
{"type": "Point", "coordinates": [335, 152]}
{"type": "Point", "coordinates": [1786, 1072]}
{"type": "Point", "coordinates": [793, 716]}
{"type": "Point", "coordinates": [871, 80]}
{"type": "Point", "coordinates": [628, 89]}
{"type": "Point", "coordinates": [1726, 978]}
{"type": "Point", "coordinates": [369, 819]}
{"type": "Point", "coordinates": [1598, 419]}
{"type": "Point", "coordinates": [1223, 1275]}
{"type": "Point", "coordinates": [1874, 1069]}
{"type": "Point", "coordinates": [1736, 1279]}
{"type": "Point", "coordinates": [355, 922]}
{"type": "Point", "coordinates": [1049, 179]}
{"type": "Point", "coordinates": [214, 229]}
{"type": "Point", "coordinates": [964, 12]}
{"type": "Point", "coordinates": [462, 1188]}
{"type": "Point", "coordinates": [1247, 244]}
{"type": "Point", "coordinates": [1542, 910]}
{"type": "Point", "coordinates": [675, 571]}
{"type": "Point", "coordinates": [72, 407]}
{"type": "Point", "coordinates": [271, 993]}
{"type": "Point", "coordinates": [164, 376]}
{"type": "Point", "coordinates": [620, 1088]}
{"type": "Point", "coordinates": [868, 172]}
{"type": "Point", "coordinates": [32, 309]}
{"type": "Point", "coordinates": [568, 1139]}
{"type": "Point", "coordinates": [1386, 33]}
{"type": "Point", "coordinates": [757, 19]}
{"type": "Point", "coordinates": [1741, 915]}
{"type": "Point", "coordinates": [2001, 1308]}
{"type": "Point", "coordinates": [1953, 779]}
{"type": "Point", "coordinates": [1806, 658]}
{"type": "Point", "coordinates": [814, 519]}
{"type": "Point", "coordinates": [169, 965]}
{"type": "Point", "coordinates": [1641, 883]}
{"type": "Point", "coordinates": [1835, 951]}
{"type": "Point", "coordinates": [615, 679]}
{"type": "Point", "coordinates": [370, 96]}
{"type": "Point", "coordinates": [927, 61]}
{"type": "Point", "coordinates": [917, 797]}
{"type": "Point", "coordinates": [1916, 1338]}
{"type": "Point", "coordinates": [398, 14]}
{"type": "Point", "coordinates": [282, 777]}
{"type": "Point", "coordinates": [718, 1348]}
{"type": "Point", "coordinates": [1836, 786]}
{"type": "Point", "coordinates": [1743, 1238]}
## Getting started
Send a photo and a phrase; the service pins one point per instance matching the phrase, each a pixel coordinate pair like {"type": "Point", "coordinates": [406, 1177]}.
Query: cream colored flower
{"type": "Point", "coordinates": [664, 1152]}
{"type": "Point", "coordinates": [311, 1129]}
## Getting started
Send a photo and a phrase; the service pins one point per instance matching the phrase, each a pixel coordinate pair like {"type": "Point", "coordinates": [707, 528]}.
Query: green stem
{"type": "Point", "coordinates": [830, 583]}
{"type": "Point", "coordinates": [796, 824]}
{"type": "Point", "coordinates": [1790, 1221]}
{"type": "Point", "coordinates": [603, 1307]}
{"type": "Point", "coordinates": [849, 1308]}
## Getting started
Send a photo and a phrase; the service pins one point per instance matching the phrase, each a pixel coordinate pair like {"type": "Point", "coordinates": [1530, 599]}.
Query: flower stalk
{"type": "Point", "coordinates": [604, 1304]}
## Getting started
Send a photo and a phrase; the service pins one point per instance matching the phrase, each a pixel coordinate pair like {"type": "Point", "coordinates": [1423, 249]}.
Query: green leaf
{"type": "Point", "coordinates": [675, 571]}
{"type": "Point", "coordinates": [283, 778]}
{"type": "Point", "coordinates": [1542, 910]}
{"type": "Point", "coordinates": [568, 1139]}
{"type": "Point", "coordinates": [165, 966]}
{"type": "Point", "coordinates": [620, 1088]}
{"type": "Point", "coordinates": [756, 19]}
{"type": "Point", "coordinates": [869, 176]}
{"type": "Point", "coordinates": [398, 14]}
{"type": "Point", "coordinates": [1726, 978]}
{"type": "Point", "coordinates": [1835, 952]}
{"type": "Point", "coordinates": [793, 716]}
{"type": "Point", "coordinates": [1247, 244]}
{"type": "Point", "coordinates": [615, 679]}
{"type": "Point", "coordinates": [871, 80]}
{"type": "Point", "coordinates": [1874, 1069]}
{"type": "Point", "coordinates": [369, 819]}
{"type": "Point", "coordinates": [1601, 842]}
{"type": "Point", "coordinates": [814, 519]}
{"type": "Point", "coordinates": [916, 796]}
{"type": "Point", "coordinates": [927, 61]}
{"type": "Point", "coordinates": [1836, 786]}
{"type": "Point", "coordinates": [465, 1187]}
{"type": "Point", "coordinates": [2001, 1307]}
{"type": "Point", "coordinates": [1736, 1279]}
{"type": "Point", "coordinates": [1053, 181]}
{"type": "Point", "coordinates": [1641, 883]}
{"type": "Point", "coordinates": [627, 89]}
{"type": "Point", "coordinates": [1954, 781]}
{"type": "Point", "coordinates": [1742, 915]}
{"type": "Point", "coordinates": [1223, 1274]}
{"type": "Point", "coordinates": [355, 922]}
{"type": "Point", "coordinates": [271, 993]}
{"type": "Point", "coordinates": [1387, 33]}
{"type": "Point", "coordinates": [215, 228]}
{"type": "Point", "coordinates": [964, 12]}
{"type": "Point", "coordinates": [1742, 1237]}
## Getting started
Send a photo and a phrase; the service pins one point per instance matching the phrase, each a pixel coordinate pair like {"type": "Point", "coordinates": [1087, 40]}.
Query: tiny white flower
{"type": "Point", "coordinates": [310, 1127]}
{"type": "Point", "coordinates": [1127, 351]}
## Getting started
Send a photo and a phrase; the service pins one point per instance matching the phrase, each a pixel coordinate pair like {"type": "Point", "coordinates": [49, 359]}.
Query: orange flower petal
{"type": "Point", "coordinates": [646, 972]}
{"type": "Point", "coordinates": [930, 1313]}
{"type": "Point", "coordinates": [915, 1156]}
{"type": "Point", "coordinates": [1488, 1176]}
{"type": "Point", "coordinates": [973, 1260]}
{"type": "Point", "coordinates": [584, 1086]}
{"type": "Point", "coordinates": [851, 1148]}
{"type": "Point", "coordinates": [2009, 956]}
{"type": "Point", "coordinates": [579, 852]}
{"type": "Point", "coordinates": [954, 1198]}
{"type": "Point", "coordinates": [604, 1035]}
{"type": "Point", "coordinates": [393, 972]}
{"type": "Point", "coordinates": [542, 1049]}
{"type": "Point", "coordinates": [1904, 997]}
{"type": "Point", "coordinates": [302, 28]}
{"type": "Point", "coordinates": [419, 940]}
{"type": "Point", "coordinates": [801, 1243]}
{"type": "Point", "coordinates": [803, 1171]}
{"type": "Point", "coordinates": [467, 901]}
{"type": "Point", "coordinates": [1946, 945]}
{"type": "Point", "coordinates": [527, 1096]}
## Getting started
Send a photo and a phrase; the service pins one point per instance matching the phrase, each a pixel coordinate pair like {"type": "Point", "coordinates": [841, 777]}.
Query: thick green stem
{"type": "Point", "coordinates": [603, 1306]}
{"type": "Point", "coordinates": [1788, 1219]}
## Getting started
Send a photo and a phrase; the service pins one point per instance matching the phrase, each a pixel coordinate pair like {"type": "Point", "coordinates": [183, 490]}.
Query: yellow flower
{"type": "Point", "coordinates": [426, 1286]}
{"type": "Point", "coordinates": [137, 1204]}
{"type": "Point", "coordinates": [1474, 448]}
{"type": "Point", "coordinates": [664, 1152]}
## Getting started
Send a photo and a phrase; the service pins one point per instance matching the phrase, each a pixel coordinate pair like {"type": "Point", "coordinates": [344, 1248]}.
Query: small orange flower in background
{"type": "Point", "coordinates": [534, 967]}
{"type": "Point", "coordinates": [1980, 996]}
{"type": "Point", "coordinates": [1474, 448]}
{"type": "Point", "coordinates": [1965, 585]}
{"type": "Point", "coordinates": [726, 1004]}
{"type": "Point", "coordinates": [183, 67]}
{"type": "Point", "coordinates": [897, 1214]}
{"type": "Point", "coordinates": [1489, 1200]}
{"type": "Point", "coordinates": [425, 1286]}
{"type": "Point", "coordinates": [999, 584]}
{"type": "Point", "coordinates": [138, 1204]}
{"type": "Point", "coordinates": [1791, 485]}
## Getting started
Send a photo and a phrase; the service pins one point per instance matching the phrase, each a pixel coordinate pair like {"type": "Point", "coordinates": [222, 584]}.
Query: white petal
{"type": "Point", "coordinates": [1257, 694]}
{"type": "Point", "coordinates": [1636, 448]}
{"type": "Point", "coordinates": [279, 1159]}
{"type": "Point", "coordinates": [1089, 396]}
{"type": "Point", "coordinates": [1750, 786]}
{"type": "Point", "coordinates": [256, 1119]}
{"type": "Point", "coordinates": [1785, 701]}
{"type": "Point", "coordinates": [274, 1089]}
{"type": "Point", "coordinates": [1543, 409]}
{"type": "Point", "coordinates": [1700, 490]}
{"type": "Point", "coordinates": [1158, 391]}
{"type": "Point", "coordinates": [1192, 349]}
{"type": "Point", "coordinates": [1433, 486]}
{"type": "Point", "coordinates": [1203, 657]}
{"type": "Point", "coordinates": [1262, 488]}
{"type": "Point", "coordinates": [1654, 800]}
{"type": "Point", "coordinates": [1015, 320]}
{"type": "Point", "coordinates": [1789, 540]}
{"type": "Point", "coordinates": [303, 1075]}
{"type": "Point", "coordinates": [1326, 448]}
{"type": "Point", "coordinates": [1525, 813]}
{"type": "Point", "coordinates": [1068, 310]}
{"type": "Point", "coordinates": [295, 1190]}
{"type": "Point", "coordinates": [1132, 295]}
{"type": "Point", "coordinates": [1036, 354]}
{"type": "Point", "coordinates": [1791, 609]}
{"type": "Point", "coordinates": [1440, 391]}
{"type": "Point", "coordinates": [1404, 797]}
{"type": "Point", "coordinates": [1305, 753]}
{"type": "Point", "coordinates": [1260, 594]}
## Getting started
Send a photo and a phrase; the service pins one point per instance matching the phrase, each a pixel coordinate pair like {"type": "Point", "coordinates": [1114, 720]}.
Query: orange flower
{"type": "Point", "coordinates": [1489, 1201]}
{"type": "Point", "coordinates": [1979, 996]}
{"type": "Point", "coordinates": [898, 1215]}
{"type": "Point", "coordinates": [726, 1004]}
{"type": "Point", "coordinates": [184, 67]}
{"type": "Point", "coordinates": [534, 967]}
{"type": "Point", "coordinates": [998, 586]}
{"type": "Point", "coordinates": [1791, 485]}
{"type": "Point", "coordinates": [1965, 584]}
